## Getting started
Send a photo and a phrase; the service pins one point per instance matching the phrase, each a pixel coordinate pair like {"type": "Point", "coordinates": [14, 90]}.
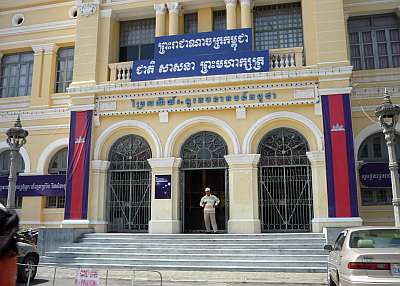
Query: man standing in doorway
{"type": "Point", "coordinates": [208, 203]}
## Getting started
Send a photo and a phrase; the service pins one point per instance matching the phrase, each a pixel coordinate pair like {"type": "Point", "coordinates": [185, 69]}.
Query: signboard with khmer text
{"type": "Point", "coordinates": [202, 54]}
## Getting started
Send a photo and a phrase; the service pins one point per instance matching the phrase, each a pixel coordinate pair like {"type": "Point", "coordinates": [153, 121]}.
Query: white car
{"type": "Point", "coordinates": [365, 256]}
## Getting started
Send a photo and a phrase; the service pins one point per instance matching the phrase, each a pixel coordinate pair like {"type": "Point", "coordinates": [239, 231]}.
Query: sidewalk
{"type": "Point", "coordinates": [66, 277]}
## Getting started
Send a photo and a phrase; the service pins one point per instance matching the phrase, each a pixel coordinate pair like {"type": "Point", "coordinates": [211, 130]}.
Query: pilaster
{"type": "Point", "coordinates": [165, 213]}
{"type": "Point", "coordinates": [230, 14]}
{"type": "Point", "coordinates": [243, 193]}
{"type": "Point", "coordinates": [86, 44]}
{"type": "Point", "coordinates": [245, 13]}
{"type": "Point", "coordinates": [320, 198]}
{"type": "Point", "coordinates": [173, 20]}
{"type": "Point", "coordinates": [49, 73]}
{"type": "Point", "coordinates": [98, 194]}
{"type": "Point", "coordinates": [205, 19]}
{"type": "Point", "coordinates": [108, 43]}
{"type": "Point", "coordinates": [160, 19]}
{"type": "Point", "coordinates": [36, 89]}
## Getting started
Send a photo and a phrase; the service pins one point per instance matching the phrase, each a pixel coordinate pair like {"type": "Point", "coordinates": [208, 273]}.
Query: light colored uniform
{"type": "Point", "coordinates": [209, 203]}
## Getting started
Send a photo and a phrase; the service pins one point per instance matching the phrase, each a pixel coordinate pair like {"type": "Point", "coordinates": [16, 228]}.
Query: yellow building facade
{"type": "Point", "coordinates": [257, 139]}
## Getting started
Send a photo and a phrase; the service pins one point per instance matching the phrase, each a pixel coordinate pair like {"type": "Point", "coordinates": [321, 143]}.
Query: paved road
{"type": "Point", "coordinates": [66, 277]}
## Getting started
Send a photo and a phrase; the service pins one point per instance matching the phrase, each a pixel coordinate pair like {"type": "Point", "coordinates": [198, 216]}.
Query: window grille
{"type": "Point", "coordinates": [278, 26]}
{"type": "Point", "coordinates": [190, 23]}
{"type": "Point", "coordinates": [219, 20]}
{"type": "Point", "coordinates": [65, 67]}
{"type": "Point", "coordinates": [16, 75]}
{"type": "Point", "coordinates": [374, 41]}
{"type": "Point", "coordinates": [57, 166]}
{"type": "Point", "coordinates": [137, 39]}
{"type": "Point", "coordinates": [374, 149]}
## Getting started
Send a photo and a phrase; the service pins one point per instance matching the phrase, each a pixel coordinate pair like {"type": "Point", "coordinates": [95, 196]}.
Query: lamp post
{"type": "Point", "coordinates": [16, 137]}
{"type": "Point", "coordinates": [388, 115]}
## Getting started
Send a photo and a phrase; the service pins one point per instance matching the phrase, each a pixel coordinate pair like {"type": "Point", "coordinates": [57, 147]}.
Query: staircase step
{"type": "Point", "coordinates": [283, 252]}
{"type": "Point", "coordinates": [117, 250]}
{"type": "Point", "coordinates": [195, 256]}
{"type": "Point", "coordinates": [319, 269]}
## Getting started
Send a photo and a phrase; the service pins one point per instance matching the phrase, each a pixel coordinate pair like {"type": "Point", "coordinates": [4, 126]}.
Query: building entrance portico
{"type": "Point", "coordinates": [203, 165]}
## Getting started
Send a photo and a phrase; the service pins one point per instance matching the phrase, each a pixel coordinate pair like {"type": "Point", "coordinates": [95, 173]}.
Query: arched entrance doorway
{"type": "Point", "coordinates": [203, 165]}
{"type": "Point", "coordinates": [129, 186]}
{"type": "Point", "coordinates": [285, 182]}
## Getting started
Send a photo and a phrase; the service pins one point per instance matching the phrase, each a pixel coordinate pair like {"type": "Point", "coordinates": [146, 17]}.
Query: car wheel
{"type": "Point", "coordinates": [23, 270]}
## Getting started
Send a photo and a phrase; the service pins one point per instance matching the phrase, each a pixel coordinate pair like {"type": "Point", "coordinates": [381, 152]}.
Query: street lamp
{"type": "Point", "coordinates": [16, 137]}
{"type": "Point", "coordinates": [388, 115]}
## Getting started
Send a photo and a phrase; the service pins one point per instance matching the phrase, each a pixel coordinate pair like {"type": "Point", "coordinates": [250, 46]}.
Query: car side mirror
{"type": "Point", "coordinates": [328, 247]}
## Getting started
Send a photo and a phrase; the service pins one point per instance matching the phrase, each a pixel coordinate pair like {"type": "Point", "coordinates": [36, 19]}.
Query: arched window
{"type": "Point", "coordinates": [57, 166]}
{"type": "Point", "coordinates": [373, 152]}
{"type": "Point", "coordinates": [5, 171]}
{"type": "Point", "coordinates": [5, 163]}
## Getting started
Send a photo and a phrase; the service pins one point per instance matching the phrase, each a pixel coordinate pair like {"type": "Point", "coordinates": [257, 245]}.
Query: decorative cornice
{"type": "Point", "coordinates": [316, 156]}
{"type": "Point", "coordinates": [209, 90]}
{"type": "Point", "coordinates": [170, 162]}
{"type": "Point", "coordinates": [160, 8]}
{"type": "Point", "coordinates": [9, 116]}
{"type": "Point", "coordinates": [230, 2]}
{"type": "Point", "coordinates": [51, 26]}
{"type": "Point", "coordinates": [107, 13]}
{"type": "Point", "coordinates": [88, 8]}
{"type": "Point", "coordinates": [99, 165]}
{"type": "Point", "coordinates": [35, 8]}
{"type": "Point", "coordinates": [214, 79]}
{"type": "Point", "coordinates": [242, 159]}
{"type": "Point", "coordinates": [174, 7]}
{"type": "Point", "coordinates": [330, 91]}
{"type": "Point", "coordinates": [45, 48]}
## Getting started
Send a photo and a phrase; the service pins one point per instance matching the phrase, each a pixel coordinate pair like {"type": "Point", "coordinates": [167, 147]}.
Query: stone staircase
{"type": "Point", "coordinates": [283, 252]}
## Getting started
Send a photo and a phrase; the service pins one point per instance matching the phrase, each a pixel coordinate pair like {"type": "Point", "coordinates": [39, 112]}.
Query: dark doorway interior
{"type": "Point", "coordinates": [195, 183]}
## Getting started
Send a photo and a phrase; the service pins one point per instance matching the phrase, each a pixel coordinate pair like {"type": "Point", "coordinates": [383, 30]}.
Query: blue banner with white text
{"type": "Point", "coordinates": [201, 65]}
{"type": "Point", "coordinates": [221, 42]}
{"type": "Point", "coordinates": [31, 186]}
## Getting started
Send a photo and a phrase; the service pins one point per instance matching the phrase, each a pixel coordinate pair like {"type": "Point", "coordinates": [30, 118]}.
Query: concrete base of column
{"type": "Point", "coordinates": [244, 226]}
{"type": "Point", "coordinates": [165, 226]}
{"type": "Point", "coordinates": [76, 223]}
{"type": "Point", "coordinates": [318, 224]}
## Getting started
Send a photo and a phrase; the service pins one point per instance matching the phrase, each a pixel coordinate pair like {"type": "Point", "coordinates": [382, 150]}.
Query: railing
{"type": "Point", "coordinates": [280, 59]}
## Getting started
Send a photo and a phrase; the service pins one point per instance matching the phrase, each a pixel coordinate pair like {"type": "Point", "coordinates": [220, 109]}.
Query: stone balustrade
{"type": "Point", "coordinates": [280, 59]}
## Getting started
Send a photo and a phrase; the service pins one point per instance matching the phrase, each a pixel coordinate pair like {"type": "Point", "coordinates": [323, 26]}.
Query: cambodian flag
{"type": "Point", "coordinates": [77, 187]}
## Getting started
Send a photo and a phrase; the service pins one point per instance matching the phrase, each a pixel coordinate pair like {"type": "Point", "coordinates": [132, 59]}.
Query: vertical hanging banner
{"type": "Point", "coordinates": [77, 186]}
{"type": "Point", "coordinates": [339, 156]}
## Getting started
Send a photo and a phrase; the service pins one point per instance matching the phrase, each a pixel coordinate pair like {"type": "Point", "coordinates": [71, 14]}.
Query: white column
{"type": "Point", "coordinates": [230, 14]}
{"type": "Point", "coordinates": [245, 13]}
{"type": "Point", "coordinates": [173, 23]}
{"type": "Point", "coordinates": [165, 213]}
{"type": "Point", "coordinates": [97, 211]}
{"type": "Point", "coordinates": [243, 193]}
{"type": "Point", "coordinates": [160, 19]}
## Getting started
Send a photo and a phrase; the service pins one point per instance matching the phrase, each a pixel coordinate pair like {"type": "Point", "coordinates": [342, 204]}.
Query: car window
{"type": "Point", "coordinates": [375, 238]}
{"type": "Point", "coordinates": [339, 242]}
